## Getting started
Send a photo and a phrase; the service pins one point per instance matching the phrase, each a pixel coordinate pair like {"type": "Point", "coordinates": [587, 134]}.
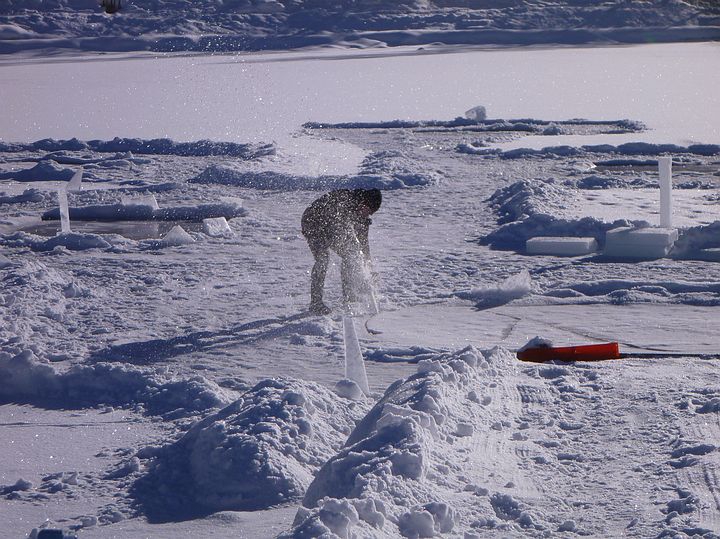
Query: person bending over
{"type": "Point", "coordinates": [339, 221]}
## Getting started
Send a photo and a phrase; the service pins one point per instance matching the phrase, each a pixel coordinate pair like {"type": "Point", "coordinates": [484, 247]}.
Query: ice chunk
{"type": "Point", "coordinates": [177, 236]}
{"type": "Point", "coordinates": [476, 113]}
{"type": "Point", "coordinates": [148, 200]}
{"type": "Point", "coordinates": [561, 246]}
{"type": "Point", "coordinates": [650, 242]}
{"type": "Point", "coordinates": [75, 183]}
{"type": "Point", "coordinates": [348, 389]}
{"type": "Point", "coordinates": [216, 226]}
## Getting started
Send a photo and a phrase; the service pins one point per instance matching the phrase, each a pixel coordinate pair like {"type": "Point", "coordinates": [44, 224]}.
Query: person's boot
{"type": "Point", "coordinates": [319, 308]}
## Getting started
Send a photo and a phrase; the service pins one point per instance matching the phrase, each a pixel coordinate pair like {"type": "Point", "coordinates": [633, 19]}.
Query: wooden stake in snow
{"type": "Point", "coordinates": [354, 364]}
{"type": "Point", "coordinates": [665, 169]}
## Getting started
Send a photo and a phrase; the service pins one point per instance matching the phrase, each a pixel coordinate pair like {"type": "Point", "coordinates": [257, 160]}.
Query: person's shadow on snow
{"type": "Point", "coordinates": [155, 350]}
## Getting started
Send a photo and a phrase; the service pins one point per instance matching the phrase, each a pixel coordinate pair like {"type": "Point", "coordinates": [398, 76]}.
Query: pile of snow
{"type": "Point", "coordinates": [259, 451]}
{"type": "Point", "coordinates": [630, 148]}
{"type": "Point", "coordinates": [379, 170]}
{"type": "Point", "coordinates": [527, 208]}
{"type": "Point", "coordinates": [229, 175]}
{"type": "Point", "coordinates": [72, 241]}
{"type": "Point", "coordinates": [27, 380]}
{"type": "Point", "coordinates": [28, 195]}
{"type": "Point", "coordinates": [161, 146]}
{"type": "Point", "coordinates": [525, 198]}
{"type": "Point", "coordinates": [513, 236]}
{"type": "Point", "coordinates": [514, 287]}
{"type": "Point", "coordinates": [42, 172]}
{"type": "Point", "coordinates": [392, 478]}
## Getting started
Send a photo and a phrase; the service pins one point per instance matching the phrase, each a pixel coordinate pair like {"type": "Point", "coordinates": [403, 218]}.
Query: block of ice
{"type": "Point", "coordinates": [177, 236]}
{"type": "Point", "coordinates": [561, 246]}
{"type": "Point", "coordinates": [476, 113]}
{"type": "Point", "coordinates": [642, 236]}
{"type": "Point", "coordinates": [75, 183]}
{"type": "Point", "coordinates": [216, 226]}
{"type": "Point", "coordinates": [650, 242]}
{"type": "Point", "coordinates": [143, 200]}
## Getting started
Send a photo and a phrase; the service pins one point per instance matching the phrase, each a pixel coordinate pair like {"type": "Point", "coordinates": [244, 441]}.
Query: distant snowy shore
{"type": "Point", "coordinates": [183, 26]}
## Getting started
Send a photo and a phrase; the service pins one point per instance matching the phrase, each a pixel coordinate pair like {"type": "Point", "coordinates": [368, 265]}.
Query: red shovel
{"type": "Point", "coordinates": [595, 352]}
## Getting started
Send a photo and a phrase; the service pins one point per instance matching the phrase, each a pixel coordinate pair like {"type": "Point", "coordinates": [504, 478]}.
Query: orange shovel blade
{"type": "Point", "coordinates": [587, 352]}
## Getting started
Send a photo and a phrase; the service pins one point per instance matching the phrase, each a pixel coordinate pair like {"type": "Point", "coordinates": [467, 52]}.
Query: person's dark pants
{"type": "Point", "coordinates": [347, 247]}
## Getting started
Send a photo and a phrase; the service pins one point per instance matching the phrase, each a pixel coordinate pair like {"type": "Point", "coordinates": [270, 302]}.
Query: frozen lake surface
{"type": "Point", "coordinates": [156, 388]}
{"type": "Point", "coordinates": [264, 97]}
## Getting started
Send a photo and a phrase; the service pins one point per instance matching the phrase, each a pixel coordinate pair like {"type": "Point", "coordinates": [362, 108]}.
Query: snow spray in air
{"type": "Point", "coordinates": [354, 364]}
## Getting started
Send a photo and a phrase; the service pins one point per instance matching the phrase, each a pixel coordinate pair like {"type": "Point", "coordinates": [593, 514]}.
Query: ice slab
{"type": "Point", "coordinates": [650, 242]}
{"type": "Point", "coordinates": [561, 246]}
{"type": "Point", "coordinates": [216, 226]}
{"type": "Point", "coordinates": [177, 236]}
{"type": "Point", "coordinates": [644, 236]}
{"type": "Point", "coordinates": [144, 200]}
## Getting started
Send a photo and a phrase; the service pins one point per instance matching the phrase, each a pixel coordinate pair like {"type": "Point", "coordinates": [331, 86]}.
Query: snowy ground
{"type": "Point", "coordinates": [176, 387]}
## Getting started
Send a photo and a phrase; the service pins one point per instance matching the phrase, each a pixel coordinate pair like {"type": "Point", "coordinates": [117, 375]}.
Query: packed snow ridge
{"type": "Point", "coordinates": [259, 451]}
{"type": "Point", "coordinates": [393, 478]}
{"type": "Point", "coordinates": [28, 380]}
{"type": "Point", "coordinates": [379, 170]}
{"type": "Point", "coordinates": [182, 25]}
{"type": "Point", "coordinates": [161, 146]}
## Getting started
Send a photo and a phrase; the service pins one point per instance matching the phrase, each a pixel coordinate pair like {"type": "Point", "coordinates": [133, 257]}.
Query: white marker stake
{"type": "Point", "coordinates": [354, 364]}
{"type": "Point", "coordinates": [64, 211]}
{"type": "Point", "coordinates": [665, 169]}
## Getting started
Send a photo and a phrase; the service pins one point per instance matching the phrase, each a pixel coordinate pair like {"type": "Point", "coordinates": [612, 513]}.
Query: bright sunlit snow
{"type": "Point", "coordinates": [160, 375]}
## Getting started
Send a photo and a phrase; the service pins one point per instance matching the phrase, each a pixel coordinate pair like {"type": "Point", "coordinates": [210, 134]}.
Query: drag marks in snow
{"type": "Point", "coordinates": [694, 502]}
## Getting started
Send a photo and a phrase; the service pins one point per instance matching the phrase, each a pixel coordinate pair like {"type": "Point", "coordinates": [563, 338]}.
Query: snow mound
{"type": "Point", "coordinates": [71, 241]}
{"type": "Point", "coordinates": [379, 170]}
{"type": "Point", "coordinates": [390, 479]}
{"type": "Point", "coordinates": [630, 148]}
{"type": "Point", "coordinates": [526, 210]}
{"type": "Point", "coordinates": [161, 146]}
{"type": "Point", "coordinates": [28, 195]}
{"type": "Point", "coordinates": [44, 171]}
{"type": "Point", "coordinates": [228, 175]}
{"type": "Point", "coordinates": [27, 380]}
{"type": "Point", "coordinates": [259, 451]}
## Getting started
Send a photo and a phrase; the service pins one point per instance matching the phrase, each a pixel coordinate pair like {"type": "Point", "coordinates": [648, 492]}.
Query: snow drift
{"type": "Point", "coordinates": [390, 479]}
{"type": "Point", "coordinates": [259, 451]}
